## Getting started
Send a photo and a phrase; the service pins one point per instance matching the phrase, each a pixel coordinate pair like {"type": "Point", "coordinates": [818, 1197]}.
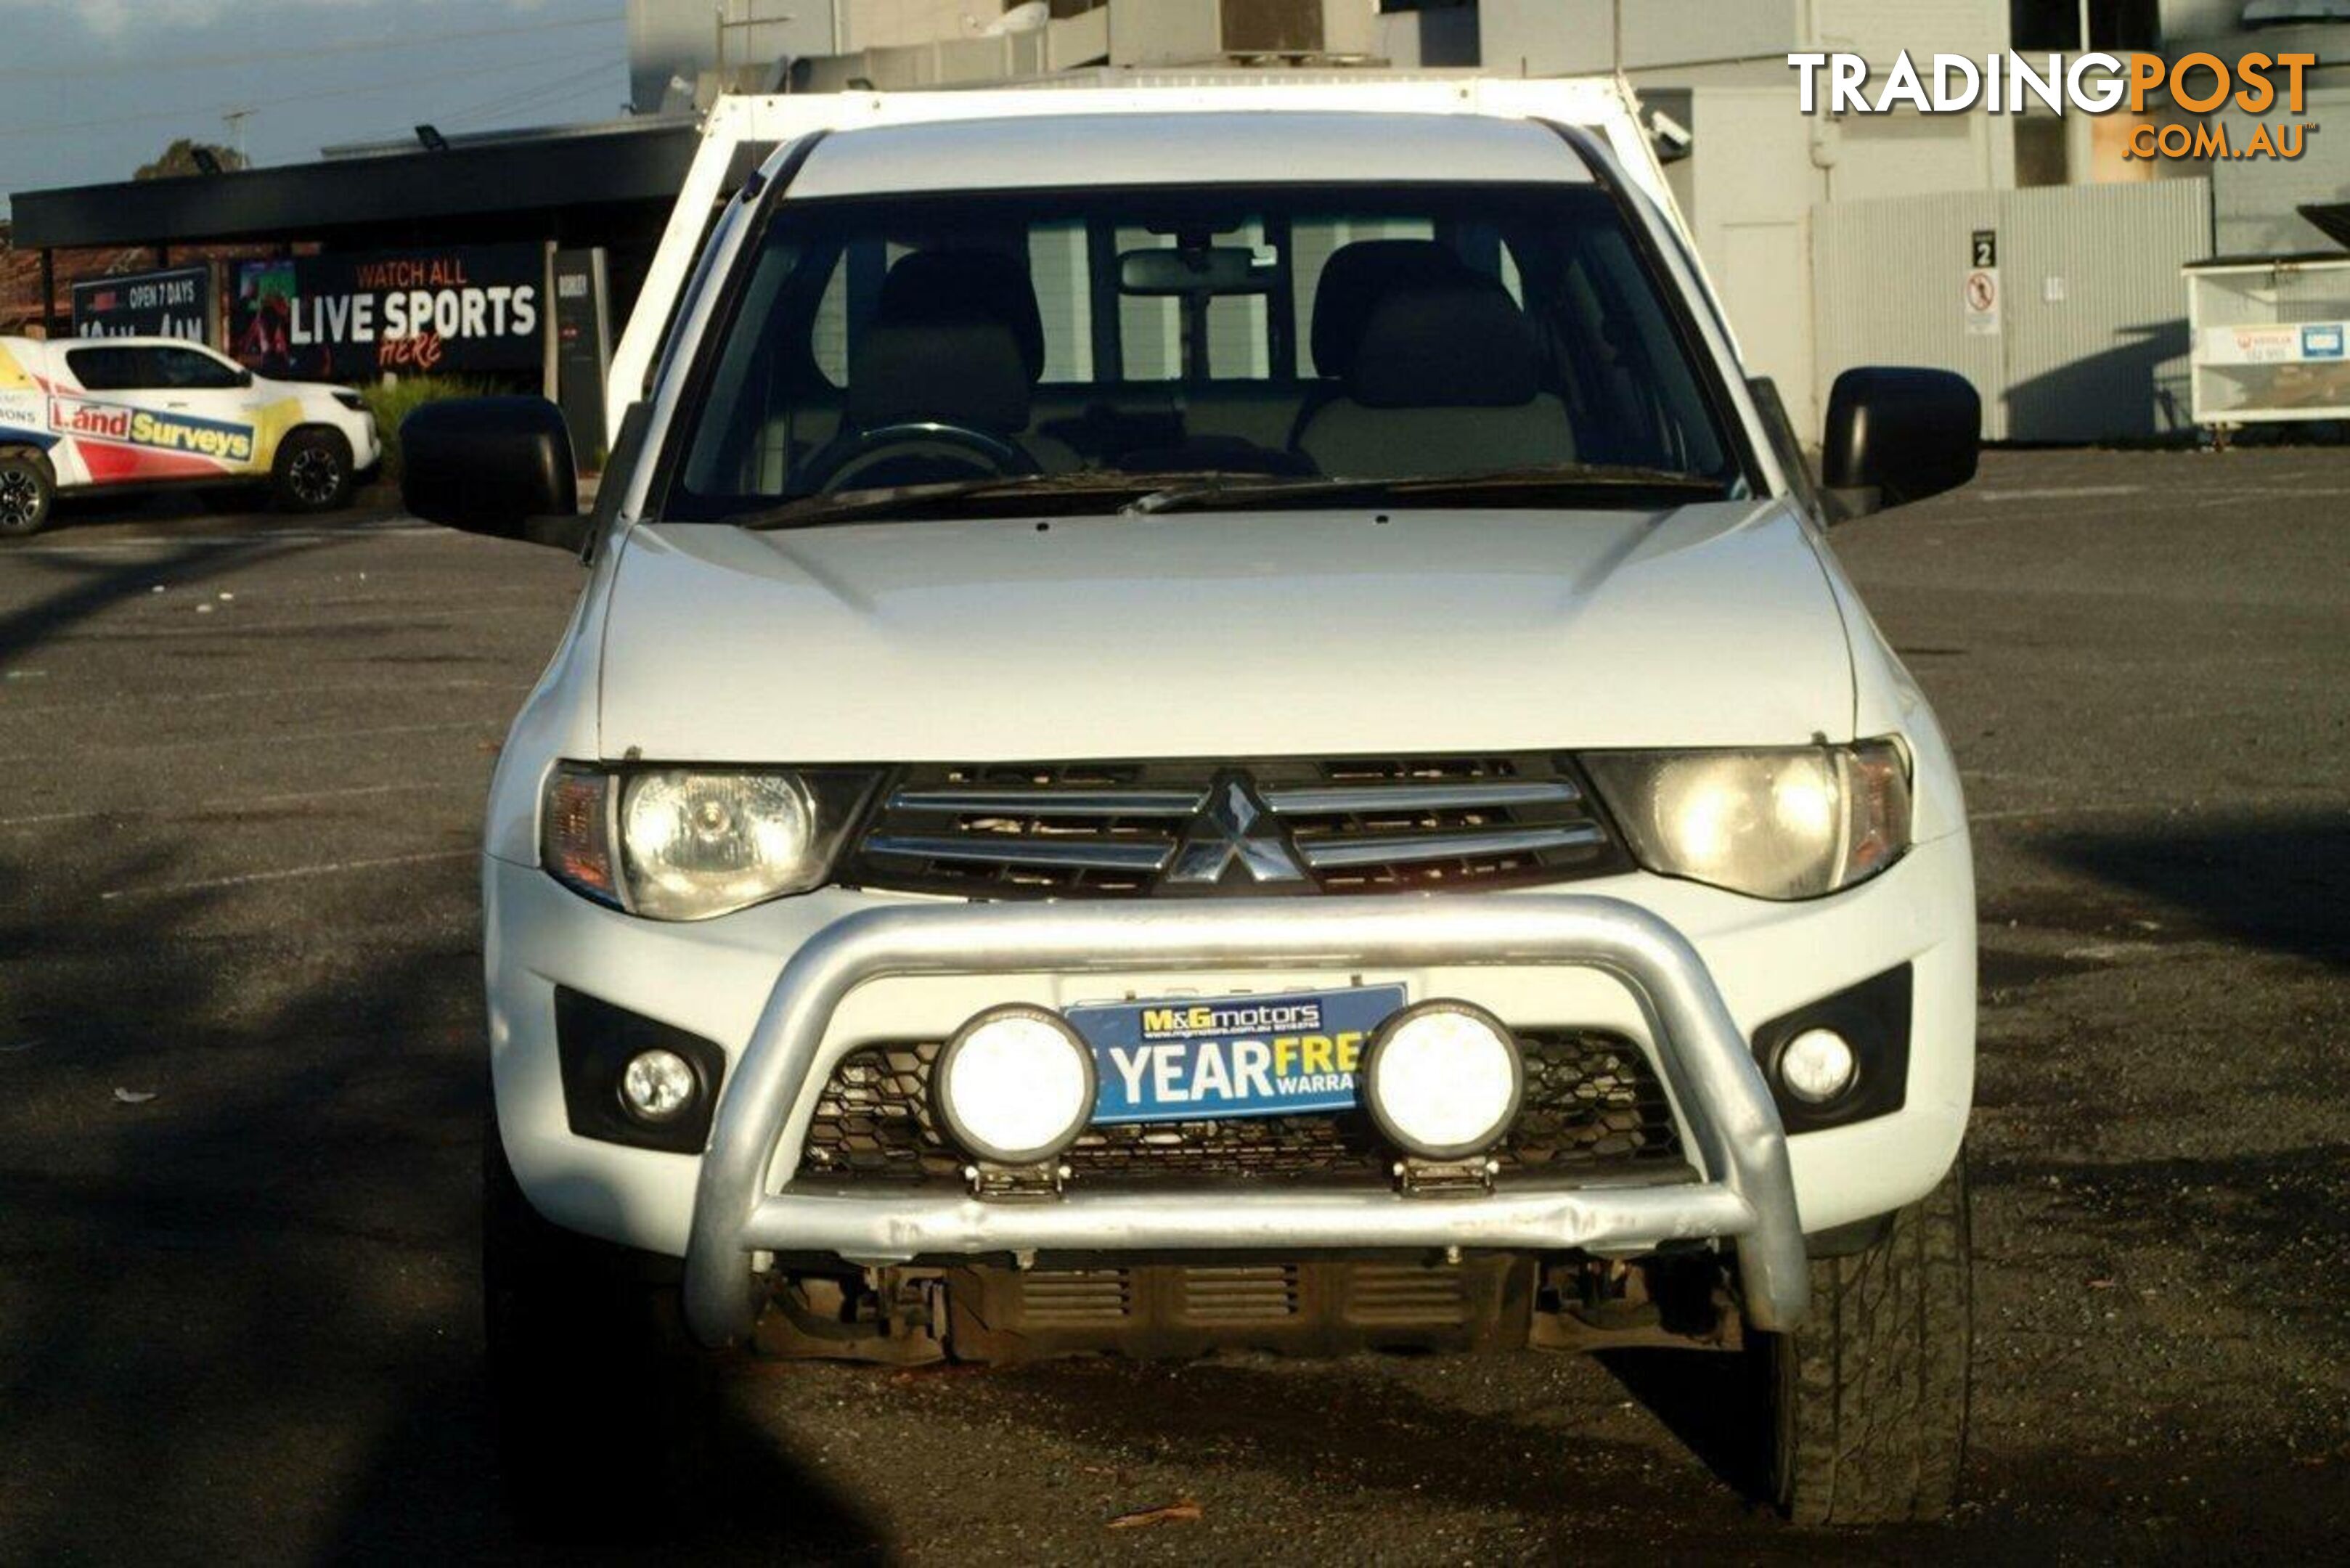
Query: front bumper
{"type": "Point", "coordinates": [739, 1209]}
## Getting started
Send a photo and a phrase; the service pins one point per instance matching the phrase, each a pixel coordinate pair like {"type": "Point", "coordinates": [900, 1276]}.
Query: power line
{"type": "Point", "coordinates": [307, 52]}
{"type": "Point", "coordinates": [528, 98]}
{"type": "Point", "coordinates": [546, 93]}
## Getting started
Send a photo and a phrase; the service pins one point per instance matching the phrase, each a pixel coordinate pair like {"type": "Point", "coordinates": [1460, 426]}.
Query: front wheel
{"type": "Point", "coordinates": [26, 493]}
{"type": "Point", "coordinates": [596, 1390]}
{"type": "Point", "coordinates": [1866, 1404]}
{"type": "Point", "coordinates": [313, 471]}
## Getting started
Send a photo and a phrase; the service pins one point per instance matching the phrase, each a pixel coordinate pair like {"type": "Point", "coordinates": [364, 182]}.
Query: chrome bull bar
{"type": "Point", "coordinates": [763, 1118]}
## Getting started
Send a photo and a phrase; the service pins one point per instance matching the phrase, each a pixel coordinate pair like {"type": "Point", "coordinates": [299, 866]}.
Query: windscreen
{"type": "Point", "coordinates": [1121, 338]}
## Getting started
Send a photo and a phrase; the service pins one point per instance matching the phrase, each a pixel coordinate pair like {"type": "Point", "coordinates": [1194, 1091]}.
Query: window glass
{"type": "Point", "coordinates": [186, 368]}
{"type": "Point", "coordinates": [1316, 239]}
{"type": "Point", "coordinates": [121, 369]}
{"type": "Point", "coordinates": [1059, 263]}
{"type": "Point", "coordinates": [828, 334]}
{"type": "Point", "coordinates": [1149, 328]}
{"type": "Point", "coordinates": [1238, 347]}
{"type": "Point", "coordinates": [1347, 332]}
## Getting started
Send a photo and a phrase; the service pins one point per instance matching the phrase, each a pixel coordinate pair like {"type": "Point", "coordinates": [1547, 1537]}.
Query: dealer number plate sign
{"type": "Point", "coordinates": [1195, 1059]}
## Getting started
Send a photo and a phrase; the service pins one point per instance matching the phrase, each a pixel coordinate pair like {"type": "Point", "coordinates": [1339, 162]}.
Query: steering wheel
{"type": "Point", "coordinates": [936, 450]}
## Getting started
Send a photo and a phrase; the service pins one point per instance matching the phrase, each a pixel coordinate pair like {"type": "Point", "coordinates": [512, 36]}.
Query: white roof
{"type": "Point", "coordinates": [1033, 151]}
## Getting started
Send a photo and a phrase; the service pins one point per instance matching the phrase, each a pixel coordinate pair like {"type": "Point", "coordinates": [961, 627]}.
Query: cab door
{"type": "Point", "coordinates": [94, 393]}
{"type": "Point", "coordinates": [214, 395]}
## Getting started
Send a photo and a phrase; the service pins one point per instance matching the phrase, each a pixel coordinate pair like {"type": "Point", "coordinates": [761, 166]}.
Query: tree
{"type": "Point", "coordinates": [179, 158]}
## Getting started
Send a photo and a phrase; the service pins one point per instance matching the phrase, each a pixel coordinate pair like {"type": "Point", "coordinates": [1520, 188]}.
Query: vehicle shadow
{"type": "Point", "coordinates": [2270, 879]}
{"type": "Point", "coordinates": [1709, 1400]}
{"type": "Point", "coordinates": [2143, 372]}
{"type": "Point", "coordinates": [1556, 1457]}
{"type": "Point", "coordinates": [249, 1305]}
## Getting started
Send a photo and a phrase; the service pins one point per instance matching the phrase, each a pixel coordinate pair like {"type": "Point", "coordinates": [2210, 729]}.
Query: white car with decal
{"type": "Point", "coordinates": [78, 414]}
{"type": "Point", "coordinates": [1194, 729]}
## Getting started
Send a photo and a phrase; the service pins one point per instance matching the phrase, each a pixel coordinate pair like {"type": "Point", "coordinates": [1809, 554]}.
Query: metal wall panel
{"type": "Point", "coordinates": [2092, 340]}
{"type": "Point", "coordinates": [1546, 38]}
{"type": "Point", "coordinates": [1750, 186]}
{"type": "Point", "coordinates": [2096, 312]}
{"type": "Point", "coordinates": [1165, 32]}
{"type": "Point", "coordinates": [1887, 289]}
{"type": "Point", "coordinates": [1884, 28]}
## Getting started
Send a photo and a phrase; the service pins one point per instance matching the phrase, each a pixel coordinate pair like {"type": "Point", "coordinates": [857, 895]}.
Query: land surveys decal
{"type": "Point", "coordinates": [127, 426]}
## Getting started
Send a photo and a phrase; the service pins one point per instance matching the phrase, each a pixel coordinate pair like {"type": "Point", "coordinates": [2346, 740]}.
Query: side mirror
{"type": "Point", "coordinates": [500, 466]}
{"type": "Point", "coordinates": [1895, 436]}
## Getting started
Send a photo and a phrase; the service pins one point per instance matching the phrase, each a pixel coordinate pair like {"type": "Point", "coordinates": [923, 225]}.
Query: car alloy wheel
{"type": "Point", "coordinates": [20, 500]}
{"type": "Point", "coordinates": [313, 477]}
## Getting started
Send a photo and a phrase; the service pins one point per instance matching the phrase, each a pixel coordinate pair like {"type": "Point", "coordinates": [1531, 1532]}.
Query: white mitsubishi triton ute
{"type": "Point", "coordinates": [1201, 730]}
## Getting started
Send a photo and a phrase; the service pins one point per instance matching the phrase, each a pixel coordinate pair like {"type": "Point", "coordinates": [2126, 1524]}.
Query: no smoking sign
{"type": "Point", "coordinates": [1981, 296]}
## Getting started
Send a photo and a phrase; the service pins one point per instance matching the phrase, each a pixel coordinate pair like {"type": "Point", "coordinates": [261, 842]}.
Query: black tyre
{"type": "Point", "coordinates": [313, 473]}
{"type": "Point", "coordinates": [27, 491]}
{"type": "Point", "coordinates": [1867, 1403]}
{"type": "Point", "coordinates": [596, 1391]}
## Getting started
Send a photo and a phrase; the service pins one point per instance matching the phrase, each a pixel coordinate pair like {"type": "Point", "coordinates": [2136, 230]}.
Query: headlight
{"type": "Point", "coordinates": [350, 398]}
{"type": "Point", "coordinates": [1792, 823]}
{"type": "Point", "coordinates": [678, 844]}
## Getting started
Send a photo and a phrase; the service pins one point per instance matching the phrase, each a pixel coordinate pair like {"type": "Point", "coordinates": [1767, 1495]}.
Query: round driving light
{"type": "Point", "coordinates": [1442, 1080]}
{"type": "Point", "coordinates": [1016, 1084]}
{"type": "Point", "coordinates": [1817, 1065]}
{"type": "Point", "coordinates": [658, 1086]}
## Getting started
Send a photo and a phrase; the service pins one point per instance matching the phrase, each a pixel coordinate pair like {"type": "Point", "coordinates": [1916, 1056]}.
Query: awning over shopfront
{"type": "Point", "coordinates": [608, 186]}
{"type": "Point", "coordinates": [536, 187]}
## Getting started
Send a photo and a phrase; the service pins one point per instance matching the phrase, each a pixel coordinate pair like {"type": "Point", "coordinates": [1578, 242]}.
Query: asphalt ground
{"type": "Point", "coordinates": [242, 763]}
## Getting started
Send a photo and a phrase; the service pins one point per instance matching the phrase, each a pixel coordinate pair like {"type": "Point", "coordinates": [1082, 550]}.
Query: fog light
{"type": "Point", "coordinates": [1442, 1080]}
{"type": "Point", "coordinates": [658, 1086]}
{"type": "Point", "coordinates": [1817, 1065]}
{"type": "Point", "coordinates": [1016, 1084]}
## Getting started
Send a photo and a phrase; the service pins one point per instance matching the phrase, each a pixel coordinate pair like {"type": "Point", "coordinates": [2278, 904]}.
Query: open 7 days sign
{"type": "Point", "coordinates": [174, 302]}
{"type": "Point", "coordinates": [335, 317]}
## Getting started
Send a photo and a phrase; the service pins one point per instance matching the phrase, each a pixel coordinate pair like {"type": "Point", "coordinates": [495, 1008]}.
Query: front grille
{"type": "Point", "coordinates": [1361, 825]}
{"type": "Point", "coordinates": [1591, 1100]}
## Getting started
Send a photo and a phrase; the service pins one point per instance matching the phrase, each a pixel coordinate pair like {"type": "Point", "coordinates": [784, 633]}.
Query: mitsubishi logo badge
{"type": "Point", "coordinates": [1233, 828]}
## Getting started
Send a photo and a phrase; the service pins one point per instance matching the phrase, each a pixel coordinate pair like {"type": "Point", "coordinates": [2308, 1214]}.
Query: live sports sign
{"type": "Point", "coordinates": [335, 318]}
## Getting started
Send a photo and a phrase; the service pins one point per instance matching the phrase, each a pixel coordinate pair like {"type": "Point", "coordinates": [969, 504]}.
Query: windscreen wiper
{"type": "Point", "coordinates": [865, 505]}
{"type": "Point", "coordinates": [860, 505]}
{"type": "Point", "coordinates": [1220, 494]}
